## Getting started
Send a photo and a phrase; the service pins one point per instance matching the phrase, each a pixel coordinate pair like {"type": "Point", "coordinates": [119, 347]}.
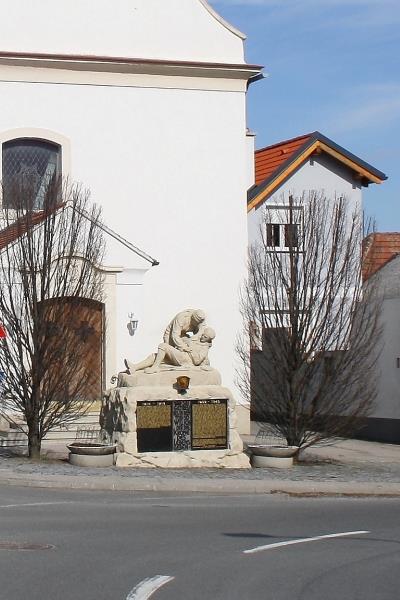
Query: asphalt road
{"type": "Point", "coordinates": [119, 545]}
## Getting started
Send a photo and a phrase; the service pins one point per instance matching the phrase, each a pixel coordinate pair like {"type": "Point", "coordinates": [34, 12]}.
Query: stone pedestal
{"type": "Point", "coordinates": [154, 425]}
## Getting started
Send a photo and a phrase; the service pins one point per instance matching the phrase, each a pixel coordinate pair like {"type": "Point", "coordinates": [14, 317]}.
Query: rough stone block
{"type": "Point", "coordinates": [118, 419]}
{"type": "Point", "coordinates": [168, 378]}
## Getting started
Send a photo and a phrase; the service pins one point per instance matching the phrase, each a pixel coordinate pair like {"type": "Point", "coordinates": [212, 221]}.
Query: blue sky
{"type": "Point", "coordinates": [332, 66]}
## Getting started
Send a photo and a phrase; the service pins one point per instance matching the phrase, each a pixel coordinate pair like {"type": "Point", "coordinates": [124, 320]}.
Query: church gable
{"type": "Point", "coordinates": [176, 30]}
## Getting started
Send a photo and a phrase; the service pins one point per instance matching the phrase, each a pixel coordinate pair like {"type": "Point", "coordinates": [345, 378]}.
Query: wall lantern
{"type": "Point", "coordinates": [133, 324]}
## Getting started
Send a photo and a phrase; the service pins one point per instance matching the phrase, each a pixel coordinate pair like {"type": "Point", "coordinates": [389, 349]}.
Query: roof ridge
{"type": "Point", "coordinates": [295, 139]}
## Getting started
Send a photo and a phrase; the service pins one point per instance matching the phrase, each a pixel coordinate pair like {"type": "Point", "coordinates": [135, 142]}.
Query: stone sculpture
{"type": "Point", "coordinates": [179, 349]}
{"type": "Point", "coordinates": [154, 424]}
{"type": "Point", "coordinates": [186, 321]}
{"type": "Point", "coordinates": [193, 352]}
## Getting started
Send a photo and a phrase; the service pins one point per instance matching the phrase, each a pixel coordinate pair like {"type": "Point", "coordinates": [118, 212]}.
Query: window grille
{"type": "Point", "coordinates": [29, 166]}
{"type": "Point", "coordinates": [273, 235]}
{"type": "Point", "coordinates": [282, 235]}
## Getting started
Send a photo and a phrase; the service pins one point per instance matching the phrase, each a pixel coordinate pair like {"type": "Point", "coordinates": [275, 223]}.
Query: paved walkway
{"type": "Point", "coordinates": [349, 467]}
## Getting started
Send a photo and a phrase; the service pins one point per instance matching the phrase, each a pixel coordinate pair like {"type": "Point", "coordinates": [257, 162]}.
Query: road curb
{"type": "Point", "coordinates": [215, 486]}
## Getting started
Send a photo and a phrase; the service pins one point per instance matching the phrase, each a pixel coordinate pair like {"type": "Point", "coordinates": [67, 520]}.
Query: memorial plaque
{"type": "Point", "coordinates": [209, 424]}
{"type": "Point", "coordinates": [182, 420]}
{"type": "Point", "coordinates": [182, 425]}
{"type": "Point", "coordinates": [154, 426]}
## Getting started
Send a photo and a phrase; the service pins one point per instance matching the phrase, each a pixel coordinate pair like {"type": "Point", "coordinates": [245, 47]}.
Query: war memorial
{"type": "Point", "coordinates": [170, 409]}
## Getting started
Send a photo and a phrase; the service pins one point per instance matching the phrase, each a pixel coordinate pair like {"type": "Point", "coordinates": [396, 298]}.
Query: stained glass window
{"type": "Point", "coordinates": [29, 165]}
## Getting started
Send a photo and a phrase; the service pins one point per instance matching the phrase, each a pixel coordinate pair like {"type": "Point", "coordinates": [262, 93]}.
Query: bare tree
{"type": "Point", "coordinates": [51, 295]}
{"type": "Point", "coordinates": [314, 328]}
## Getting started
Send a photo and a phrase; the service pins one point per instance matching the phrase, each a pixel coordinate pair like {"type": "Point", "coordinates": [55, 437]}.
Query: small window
{"type": "Point", "coordinates": [273, 235]}
{"type": "Point", "coordinates": [291, 235]}
{"type": "Point", "coordinates": [29, 166]}
{"type": "Point", "coordinates": [282, 235]}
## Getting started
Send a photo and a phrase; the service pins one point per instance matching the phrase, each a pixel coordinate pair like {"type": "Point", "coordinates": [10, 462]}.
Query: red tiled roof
{"type": "Point", "coordinates": [274, 164]}
{"type": "Point", "coordinates": [379, 249]}
{"type": "Point", "coordinates": [12, 232]}
{"type": "Point", "coordinates": [269, 159]}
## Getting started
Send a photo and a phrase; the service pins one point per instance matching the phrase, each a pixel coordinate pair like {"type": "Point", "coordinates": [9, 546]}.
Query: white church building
{"type": "Point", "coordinates": [144, 103]}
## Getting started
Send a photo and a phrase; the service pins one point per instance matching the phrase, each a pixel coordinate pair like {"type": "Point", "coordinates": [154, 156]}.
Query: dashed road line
{"type": "Point", "coordinates": [146, 588]}
{"type": "Point", "coordinates": [303, 541]}
{"type": "Point", "coordinates": [34, 504]}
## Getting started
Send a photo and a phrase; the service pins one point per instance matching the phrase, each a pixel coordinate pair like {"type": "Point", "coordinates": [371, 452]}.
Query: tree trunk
{"type": "Point", "coordinates": [34, 441]}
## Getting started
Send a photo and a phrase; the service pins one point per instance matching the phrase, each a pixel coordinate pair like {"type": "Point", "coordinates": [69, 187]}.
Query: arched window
{"type": "Point", "coordinates": [29, 166]}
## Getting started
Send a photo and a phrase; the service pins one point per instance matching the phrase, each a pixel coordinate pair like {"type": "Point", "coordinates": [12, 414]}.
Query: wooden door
{"type": "Point", "coordinates": [75, 345]}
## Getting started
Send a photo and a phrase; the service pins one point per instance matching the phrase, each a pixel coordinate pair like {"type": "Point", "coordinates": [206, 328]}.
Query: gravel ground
{"type": "Point", "coordinates": [306, 471]}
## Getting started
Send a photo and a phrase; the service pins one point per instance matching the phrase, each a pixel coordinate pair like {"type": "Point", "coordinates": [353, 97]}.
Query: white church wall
{"type": "Point", "coordinates": [164, 153]}
{"type": "Point", "coordinates": [168, 166]}
{"type": "Point", "coordinates": [250, 139]}
{"type": "Point", "coordinates": [151, 29]}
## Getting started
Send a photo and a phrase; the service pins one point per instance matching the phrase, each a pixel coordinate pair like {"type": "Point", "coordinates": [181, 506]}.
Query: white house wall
{"type": "Point", "coordinates": [185, 30]}
{"type": "Point", "coordinates": [388, 402]}
{"type": "Point", "coordinates": [322, 174]}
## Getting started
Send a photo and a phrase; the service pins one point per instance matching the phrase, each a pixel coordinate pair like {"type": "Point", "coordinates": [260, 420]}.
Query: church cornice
{"type": "Point", "coordinates": [118, 64]}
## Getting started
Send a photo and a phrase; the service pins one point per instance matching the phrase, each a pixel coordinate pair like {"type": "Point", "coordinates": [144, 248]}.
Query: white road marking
{"type": "Point", "coordinates": [302, 541]}
{"type": "Point", "coordinates": [195, 496]}
{"type": "Point", "coordinates": [147, 587]}
{"type": "Point", "coordinates": [33, 504]}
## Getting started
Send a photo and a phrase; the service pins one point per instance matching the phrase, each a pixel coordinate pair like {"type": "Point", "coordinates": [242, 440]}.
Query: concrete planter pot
{"type": "Point", "coordinates": [91, 455]}
{"type": "Point", "coordinates": [264, 455]}
{"type": "Point", "coordinates": [273, 450]}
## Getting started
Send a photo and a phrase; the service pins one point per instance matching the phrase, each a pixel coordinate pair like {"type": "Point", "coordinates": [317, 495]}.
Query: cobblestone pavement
{"type": "Point", "coordinates": [322, 471]}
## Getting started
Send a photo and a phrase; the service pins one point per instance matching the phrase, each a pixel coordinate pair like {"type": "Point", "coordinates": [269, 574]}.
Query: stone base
{"type": "Point", "coordinates": [167, 378]}
{"type": "Point", "coordinates": [118, 421]}
{"type": "Point", "coordinates": [85, 460]}
{"type": "Point", "coordinates": [220, 459]}
{"type": "Point", "coordinates": [243, 416]}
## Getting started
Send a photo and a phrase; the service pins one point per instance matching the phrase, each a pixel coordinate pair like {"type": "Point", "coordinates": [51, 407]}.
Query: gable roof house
{"type": "Point", "coordinates": [297, 167]}
{"type": "Point", "coordinates": [311, 162]}
{"type": "Point", "coordinates": [382, 264]}
{"type": "Point", "coordinates": [145, 104]}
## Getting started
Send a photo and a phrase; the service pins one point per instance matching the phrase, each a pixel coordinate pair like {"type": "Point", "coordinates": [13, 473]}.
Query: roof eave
{"type": "Point", "coordinates": [123, 64]}
{"type": "Point", "coordinates": [367, 172]}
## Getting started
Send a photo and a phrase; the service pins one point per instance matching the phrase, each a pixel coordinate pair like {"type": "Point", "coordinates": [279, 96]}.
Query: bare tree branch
{"type": "Point", "coordinates": [314, 328]}
{"type": "Point", "coordinates": [51, 284]}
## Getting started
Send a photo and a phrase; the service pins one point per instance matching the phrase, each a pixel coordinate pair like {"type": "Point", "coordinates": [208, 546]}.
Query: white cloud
{"type": "Point", "coordinates": [371, 106]}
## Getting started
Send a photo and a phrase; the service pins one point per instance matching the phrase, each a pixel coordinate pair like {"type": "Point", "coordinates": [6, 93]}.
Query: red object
{"type": "Point", "coordinates": [3, 333]}
{"type": "Point", "coordinates": [378, 250]}
{"type": "Point", "coordinates": [270, 159]}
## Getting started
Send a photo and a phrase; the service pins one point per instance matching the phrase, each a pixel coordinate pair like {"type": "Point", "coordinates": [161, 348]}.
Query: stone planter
{"type": "Point", "coordinates": [91, 455]}
{"type": "Point", "coordinates": [280, 457]}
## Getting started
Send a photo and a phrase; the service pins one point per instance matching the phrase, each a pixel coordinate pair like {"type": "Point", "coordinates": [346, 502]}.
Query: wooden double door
{"type": "Point", "coordinates": [75, 341]}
